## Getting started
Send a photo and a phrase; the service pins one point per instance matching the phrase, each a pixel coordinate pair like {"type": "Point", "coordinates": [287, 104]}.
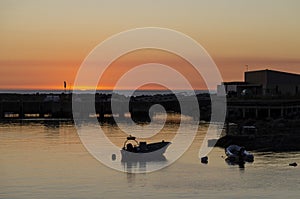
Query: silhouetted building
{"type": "Point", "coordinates": [275, 82]}
{"type": "Point", "coordinates": [241, 88]}
{"type": "Point", "coordinates": [265, 82]}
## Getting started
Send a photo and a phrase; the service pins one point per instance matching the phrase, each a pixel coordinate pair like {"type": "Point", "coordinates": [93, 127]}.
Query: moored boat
{"type": "Point", "coordinates": [134, 150]}
{"type": "Point", "coordinates": [238, 154]}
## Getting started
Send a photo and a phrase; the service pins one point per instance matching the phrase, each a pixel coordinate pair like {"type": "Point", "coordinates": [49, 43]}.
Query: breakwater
{"type": "Point", "coordinates": [22, 106]}
{"type": "Point", "coordinates": [60, 106]}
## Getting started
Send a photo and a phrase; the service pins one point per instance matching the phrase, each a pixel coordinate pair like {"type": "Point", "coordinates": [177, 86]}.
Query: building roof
{"type": "Point", "coordinates": [273, 71]}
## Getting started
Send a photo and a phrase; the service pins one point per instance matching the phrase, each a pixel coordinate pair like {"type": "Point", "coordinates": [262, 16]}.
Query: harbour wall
{"type": "Point", "coordinates": [60, 106]}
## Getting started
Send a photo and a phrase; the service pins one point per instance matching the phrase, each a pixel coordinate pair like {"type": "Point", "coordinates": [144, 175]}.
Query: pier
{"type": "Point", "coordinates": [262, 108]}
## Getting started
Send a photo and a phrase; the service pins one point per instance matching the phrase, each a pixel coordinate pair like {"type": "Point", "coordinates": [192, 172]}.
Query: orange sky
{"type": "Point", "coordinates": [136, 58]}
{"type": "Point", "coordinates": [43, 43]}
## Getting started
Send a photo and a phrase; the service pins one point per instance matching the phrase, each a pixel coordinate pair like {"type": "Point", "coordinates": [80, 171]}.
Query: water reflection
{"type": "Point", "coordinates": [135, 164]}
{"type": "Point", "coordinates": [34, 166]}
{"type": "Point", "coordinates": [51, 124]}
{"type": "Point", "coordinates": [276, 159]}
{"type": "Point", "coordinates": [131, 178]}
{"type": "Point", "coordinates": [241, 164]}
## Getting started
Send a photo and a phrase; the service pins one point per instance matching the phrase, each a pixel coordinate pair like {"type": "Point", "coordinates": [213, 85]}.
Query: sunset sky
{"type": "Point", "coordinates": [43, 43]}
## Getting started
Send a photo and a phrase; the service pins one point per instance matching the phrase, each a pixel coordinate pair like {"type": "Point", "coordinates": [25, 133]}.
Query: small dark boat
{"type": "Point", "coordinates": [294, 164]}
{"type": "Point", "coordinates": [237, 154]}
{"type": "Point", "coordinates": [134, 150]}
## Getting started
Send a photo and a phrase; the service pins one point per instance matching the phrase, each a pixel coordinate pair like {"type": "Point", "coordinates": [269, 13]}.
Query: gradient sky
{"type": "Point", "coordinates": [43, 43]}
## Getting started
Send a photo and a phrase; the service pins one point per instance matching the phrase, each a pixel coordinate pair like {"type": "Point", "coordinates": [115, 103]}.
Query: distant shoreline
{"type": "Point", "coordinates": [123, 92]}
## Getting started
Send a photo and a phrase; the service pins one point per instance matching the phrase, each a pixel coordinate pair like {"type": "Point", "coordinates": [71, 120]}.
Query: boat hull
{"type": "Point", "coordinates": [154, 152]}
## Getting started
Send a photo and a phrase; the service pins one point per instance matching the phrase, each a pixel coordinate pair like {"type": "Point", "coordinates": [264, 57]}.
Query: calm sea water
{"type": "Point", "coordinates": [46, 159]}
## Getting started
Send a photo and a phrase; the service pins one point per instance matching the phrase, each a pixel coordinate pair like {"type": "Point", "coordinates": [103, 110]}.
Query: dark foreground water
{"type": "Point", "coordinates": [48, 160]}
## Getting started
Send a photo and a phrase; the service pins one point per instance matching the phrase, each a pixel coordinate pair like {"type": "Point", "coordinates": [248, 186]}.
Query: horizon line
{"type": "Point", "coordinates": [62, 89]}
